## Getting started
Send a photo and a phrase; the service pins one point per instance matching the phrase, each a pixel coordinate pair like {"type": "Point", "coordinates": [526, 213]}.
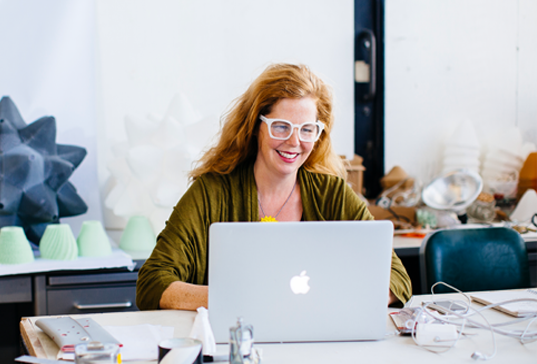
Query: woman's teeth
{"type": "Point", "coordinates": [287, 155]}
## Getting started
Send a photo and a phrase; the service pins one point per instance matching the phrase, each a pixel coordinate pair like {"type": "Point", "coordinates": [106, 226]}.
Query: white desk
{"type": "Point", "coordinates": [394, 349]}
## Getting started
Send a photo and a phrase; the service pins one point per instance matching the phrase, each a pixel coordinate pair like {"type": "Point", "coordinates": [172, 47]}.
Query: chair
{"type": "Point", "coordinates": [477, 259]}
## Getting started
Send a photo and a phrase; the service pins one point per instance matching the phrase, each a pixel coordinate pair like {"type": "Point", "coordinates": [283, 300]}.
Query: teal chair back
{"type": "Point", "coordinates": [479, 259]}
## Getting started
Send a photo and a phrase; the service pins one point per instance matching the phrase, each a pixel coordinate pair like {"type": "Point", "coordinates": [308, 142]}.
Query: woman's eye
{"type": "Point", "coordinates": [309, 129]}
{"type": "Point", "coordinates": [280, 128]}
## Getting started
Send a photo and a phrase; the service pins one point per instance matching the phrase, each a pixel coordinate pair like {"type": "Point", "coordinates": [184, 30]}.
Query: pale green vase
{"type": "Point", "coordinates": [92, 240]}
{"type": "Point", "coordinates": [58, 243]}
{"type": "Point", "coordinates": [138, 235]}
{"type": "Point", "coordinates": [14, 246]}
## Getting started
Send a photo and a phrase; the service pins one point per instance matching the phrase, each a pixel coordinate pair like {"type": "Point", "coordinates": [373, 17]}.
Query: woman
{"type": "Point", "coordinates": [274, 161]}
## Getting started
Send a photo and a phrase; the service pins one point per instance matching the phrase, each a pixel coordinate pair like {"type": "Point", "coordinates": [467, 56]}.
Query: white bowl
{"type": "Point", "coordinates": [453, 191]}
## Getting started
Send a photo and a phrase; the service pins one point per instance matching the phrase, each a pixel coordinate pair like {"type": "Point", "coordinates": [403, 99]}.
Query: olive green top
{"type": "Point", "coordinates": [181, 252]}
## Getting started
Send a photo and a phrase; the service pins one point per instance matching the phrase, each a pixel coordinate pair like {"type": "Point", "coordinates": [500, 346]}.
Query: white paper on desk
{"type": "Point", "coordinates": [140, 342]}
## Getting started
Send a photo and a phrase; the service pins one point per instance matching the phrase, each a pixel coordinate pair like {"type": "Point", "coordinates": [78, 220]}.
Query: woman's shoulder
{"type": "Point", "coordinates": [322, 179]}
{"type": "Point", "coordinates": [214, 180]}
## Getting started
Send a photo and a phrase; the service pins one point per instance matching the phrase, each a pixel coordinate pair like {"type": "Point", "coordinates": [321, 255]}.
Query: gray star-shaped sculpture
{"type": "Point", "coordinates": [34, 170]}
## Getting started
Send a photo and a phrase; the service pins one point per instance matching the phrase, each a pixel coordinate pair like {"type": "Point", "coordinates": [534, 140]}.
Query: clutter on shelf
{"type": "Point", "coordinates": [481, 181]}
{"type": "Point", "coordinates": [355, 172]}
{"type": "Point", "coordinates": [528, 175]}
{"type": "Point", "coordinates": [399, 189]}
{"type": "Point", "coordinates": [503, 161]}
{"type": "Point", "coordinates": [526, 207]}
{"type": "Point", "coordinates": [453, 191]}
{"type": "Point", "coordinates": [483, 209]}
{"type": "Point", "coordinates": [397, 200]}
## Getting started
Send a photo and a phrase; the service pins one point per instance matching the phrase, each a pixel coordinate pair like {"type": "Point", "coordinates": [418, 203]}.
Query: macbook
{"type": "Point", "coordinates": [300, 281]}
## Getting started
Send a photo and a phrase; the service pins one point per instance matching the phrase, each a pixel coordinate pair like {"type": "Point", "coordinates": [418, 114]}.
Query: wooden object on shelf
{"type": "Point", "coordinates": [355, 172]}
{"type": "Point", "coordinates": [528, 175]}
{"type": "Point", "coordinates": [397, 213]}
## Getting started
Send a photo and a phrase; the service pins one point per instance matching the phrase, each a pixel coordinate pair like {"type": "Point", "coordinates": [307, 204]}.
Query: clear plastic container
{"type": "Point", "coordinates": [482, 211]}
{"type": "Point", "coordinates": [97, 353]}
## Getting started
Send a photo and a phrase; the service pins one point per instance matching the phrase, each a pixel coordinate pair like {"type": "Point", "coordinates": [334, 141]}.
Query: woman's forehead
{"type": "Point", "coordinates": [290, 108]}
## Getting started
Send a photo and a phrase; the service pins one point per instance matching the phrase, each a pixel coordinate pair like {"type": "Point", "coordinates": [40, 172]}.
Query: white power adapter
{"type": "Point", "coordinates": [436, 335]}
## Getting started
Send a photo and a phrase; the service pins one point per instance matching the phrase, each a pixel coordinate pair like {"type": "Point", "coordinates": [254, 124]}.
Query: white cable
{"type": "Point", "coordinates": [453, 288]}
{"type": "Point", "coordinates": [475, 355]}
{"type": "Point", "coordinates": [526, 330]}
{"type": "Point", "coordinates": [523, 336]}
{"type": "Point", "coordinates": [474, 324]}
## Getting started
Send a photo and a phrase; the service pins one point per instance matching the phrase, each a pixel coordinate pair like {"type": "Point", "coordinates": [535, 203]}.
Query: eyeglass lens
{"type": "Point", "coordinates": [308, 131]}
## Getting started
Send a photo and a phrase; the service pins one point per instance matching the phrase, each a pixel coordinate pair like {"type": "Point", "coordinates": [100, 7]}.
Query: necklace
{"type": "Point", "coordinates": [270, 218]}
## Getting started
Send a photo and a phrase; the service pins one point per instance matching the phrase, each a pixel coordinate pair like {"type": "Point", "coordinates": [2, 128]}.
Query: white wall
{"type": "Point", "coordinates": [211, 51]}
{"type": "Point", "coordinates": [90, 63]}
{"type": "Point", "coordinates": [47, 68]}
{"type": "Point", "coordinates": [453, 60]}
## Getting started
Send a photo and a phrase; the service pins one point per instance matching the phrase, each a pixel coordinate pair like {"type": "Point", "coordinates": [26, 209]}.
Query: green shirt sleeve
{"type": "Point", "coordinates": [180, 251]}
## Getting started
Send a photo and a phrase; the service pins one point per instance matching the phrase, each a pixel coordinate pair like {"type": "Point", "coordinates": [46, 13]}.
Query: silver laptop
{"type": "Point", "coordinates": [300, 281]}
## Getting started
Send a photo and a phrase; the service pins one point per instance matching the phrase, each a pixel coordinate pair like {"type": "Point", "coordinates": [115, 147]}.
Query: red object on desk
{"type": "Point", "coordinates": [413, 235]}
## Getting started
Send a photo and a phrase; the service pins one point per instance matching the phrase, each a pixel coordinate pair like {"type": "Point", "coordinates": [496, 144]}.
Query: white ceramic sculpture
{"type": "Point", "coordinates": [150, 170]}
{"type": "Point", "coordinates": [462, 149]}
{"type": "Point", "coordinates": [503, 160]}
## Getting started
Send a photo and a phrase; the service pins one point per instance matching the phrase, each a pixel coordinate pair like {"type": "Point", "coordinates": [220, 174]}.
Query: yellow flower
{"type": "Point", "coordinates": [268, 219]}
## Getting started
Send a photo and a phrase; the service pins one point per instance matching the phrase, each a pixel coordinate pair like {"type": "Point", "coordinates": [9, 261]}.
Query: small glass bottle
{"type": "Point", "coordinates": [95, 352]}
{"type": "Point", "coordinates": [241, 341]}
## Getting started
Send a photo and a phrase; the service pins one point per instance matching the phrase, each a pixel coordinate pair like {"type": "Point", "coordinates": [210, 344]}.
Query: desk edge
{"type": "Point", "coordinates": [30, 336]}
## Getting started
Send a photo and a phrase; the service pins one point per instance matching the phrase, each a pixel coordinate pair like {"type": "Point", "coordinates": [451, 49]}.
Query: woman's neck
{"type": "Point", "coordinates": [278, 197]}
{"type": "Point", "coordinates": [270, 185]}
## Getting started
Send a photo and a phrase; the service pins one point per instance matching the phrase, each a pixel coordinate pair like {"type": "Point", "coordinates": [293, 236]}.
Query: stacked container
{"type": "Point", "coordinates": [502, 163]}
{"type": "Point", "coordinates": [462, 149]}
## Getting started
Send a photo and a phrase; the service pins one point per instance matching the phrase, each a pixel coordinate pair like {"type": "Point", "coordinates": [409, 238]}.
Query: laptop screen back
{"type": "Point", "coordinates": [300, 281]}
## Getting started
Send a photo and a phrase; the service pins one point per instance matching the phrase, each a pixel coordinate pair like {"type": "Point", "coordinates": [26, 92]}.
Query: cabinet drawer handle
{"type": "Point", "coordinates": [103, 305]}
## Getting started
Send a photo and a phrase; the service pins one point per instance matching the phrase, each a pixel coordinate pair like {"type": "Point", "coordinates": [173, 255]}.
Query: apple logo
{"type": "Point", "coordinates": [299, 284]}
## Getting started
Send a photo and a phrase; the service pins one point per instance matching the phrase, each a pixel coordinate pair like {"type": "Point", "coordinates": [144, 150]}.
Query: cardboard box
{"type": "Point", "coordinates": [405, 214]}
{"type": "Point", "coordinates": [355, 173]}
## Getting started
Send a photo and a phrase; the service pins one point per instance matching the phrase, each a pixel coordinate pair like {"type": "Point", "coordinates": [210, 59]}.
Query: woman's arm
{"type": "Point", "coordinates": [400, 284]}
{"type": "Point", "coordinates": [179, 256]}
{"type": "Point", "coordinates": [184, 296]}
{"type": "Point", "coordinates": [393, 299]}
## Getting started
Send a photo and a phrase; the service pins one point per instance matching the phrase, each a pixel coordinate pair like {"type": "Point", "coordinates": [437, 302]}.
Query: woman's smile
{"type": "Point", "coordinates": [281, 158]}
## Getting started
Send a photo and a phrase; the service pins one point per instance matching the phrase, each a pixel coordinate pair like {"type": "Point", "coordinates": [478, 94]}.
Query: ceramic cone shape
{"type": "Point", "coordinates": [58, 243]}
{"type": "Point", "coordinates": [138, 235]}
{"type": "Point", "coordinates": [14, 246]}
{"type": "Point", "coordinates": [92, 240]}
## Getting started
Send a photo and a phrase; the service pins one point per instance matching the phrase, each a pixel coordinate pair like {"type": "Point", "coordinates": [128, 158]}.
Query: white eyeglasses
{"type": "Point", "coordinates": [281, 129]}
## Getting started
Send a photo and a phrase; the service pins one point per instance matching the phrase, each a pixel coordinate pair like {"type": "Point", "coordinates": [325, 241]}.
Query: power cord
{"type": "Point", "coordinates": [523, 336]}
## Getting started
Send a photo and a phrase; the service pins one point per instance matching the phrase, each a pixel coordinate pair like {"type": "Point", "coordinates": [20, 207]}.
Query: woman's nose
{"type": "Point", "coordinates": [294, 140]}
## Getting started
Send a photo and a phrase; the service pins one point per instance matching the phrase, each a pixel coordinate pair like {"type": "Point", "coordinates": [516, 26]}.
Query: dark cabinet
{"type": "Point", "coordinates": [85, 292]}
{"type": "Point", "coordinates": [61, 293]}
